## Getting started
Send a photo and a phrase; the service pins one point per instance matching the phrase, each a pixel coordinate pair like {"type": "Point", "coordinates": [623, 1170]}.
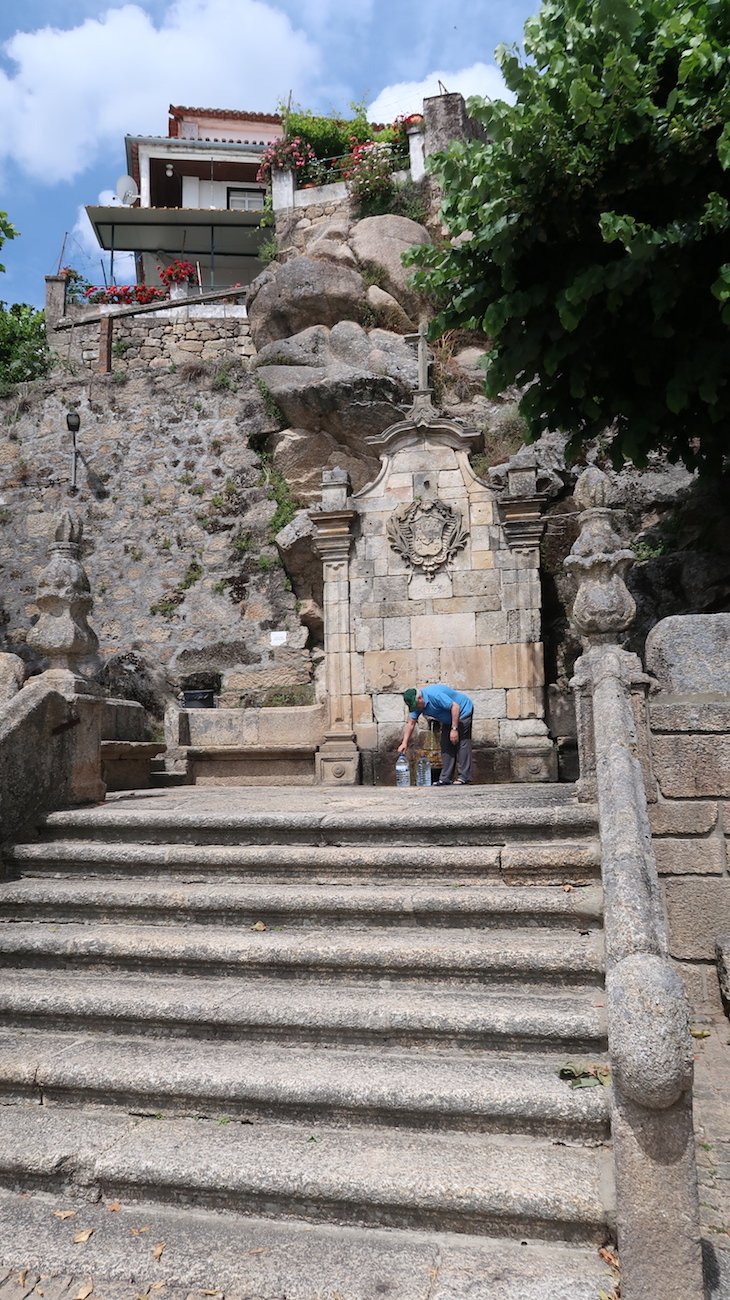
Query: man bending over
{"type": "Point", "coordinates": [454, 711]}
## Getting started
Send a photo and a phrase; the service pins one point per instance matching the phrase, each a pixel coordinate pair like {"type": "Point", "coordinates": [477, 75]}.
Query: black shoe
{"type": "Point", "coordinates": [440, 785]}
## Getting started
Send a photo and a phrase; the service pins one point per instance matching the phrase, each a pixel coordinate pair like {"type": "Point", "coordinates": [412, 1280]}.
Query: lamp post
{"type": "Point", "coordinates": [73, 421]}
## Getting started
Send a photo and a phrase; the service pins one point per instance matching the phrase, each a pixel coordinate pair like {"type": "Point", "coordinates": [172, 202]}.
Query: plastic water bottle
{"type": "Point", "coordinates": [423, 770]}
{"type": "Point", "coordinates": [402, 771]}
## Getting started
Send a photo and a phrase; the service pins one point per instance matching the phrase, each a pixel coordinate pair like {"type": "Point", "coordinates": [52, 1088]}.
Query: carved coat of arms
{"type": "Point", "coordinates": [427, 533]}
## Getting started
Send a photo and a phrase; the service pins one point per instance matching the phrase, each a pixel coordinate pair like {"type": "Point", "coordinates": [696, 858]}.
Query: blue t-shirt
{"type": "Point", "coordinates": [438, 701]}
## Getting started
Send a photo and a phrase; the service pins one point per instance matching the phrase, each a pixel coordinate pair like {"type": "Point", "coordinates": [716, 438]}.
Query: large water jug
{"type": "Point", "coordinates": [423, 770]}
{"type": "Point", "coordinates": [402, 771]}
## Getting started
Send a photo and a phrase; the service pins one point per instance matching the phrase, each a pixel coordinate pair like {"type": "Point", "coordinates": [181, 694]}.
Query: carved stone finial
{"type": "Point", "coordinates": [62, 634]}
{"type": "Point", "coordinates": [591, 490]}
{"type": "Point", "coordinates": [603, 608]}
{"type": "Point", "coordinates": [69, 528]}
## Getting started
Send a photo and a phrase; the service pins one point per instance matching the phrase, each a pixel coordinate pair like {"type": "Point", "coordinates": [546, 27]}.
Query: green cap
{"type": "Point", "coordinates": [410, 698]}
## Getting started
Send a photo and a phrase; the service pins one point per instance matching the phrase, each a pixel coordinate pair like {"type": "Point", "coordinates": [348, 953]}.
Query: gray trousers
{"type": "Point", "coordinates": [458, 755]}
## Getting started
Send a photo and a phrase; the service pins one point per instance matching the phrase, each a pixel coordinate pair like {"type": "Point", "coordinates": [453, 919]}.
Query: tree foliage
{"type": "Point", "coordinates": [590, 228]}
{"type": "Point", "coordinates": [7, 231]}
{"type": "Point", "coordinates": [23, 349]}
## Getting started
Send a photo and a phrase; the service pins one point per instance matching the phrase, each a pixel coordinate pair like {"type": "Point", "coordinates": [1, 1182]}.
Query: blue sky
{"type": "Point", "coordinates": [77, 75]}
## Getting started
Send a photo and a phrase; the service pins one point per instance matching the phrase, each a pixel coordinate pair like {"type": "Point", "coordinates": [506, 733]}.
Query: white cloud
{"type": "Point", "coordinates": [83, 252]}
{"type": "Point", "coordinates": [75, 93]}
{"type": "Point", "coordinates": [483, 79]}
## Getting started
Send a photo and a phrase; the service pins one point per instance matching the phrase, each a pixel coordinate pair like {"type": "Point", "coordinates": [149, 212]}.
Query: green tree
{"type": "Point", "coordinates": [23, 348]}
{"type": "Point", "coordinates": [7, 231]}
{"type": "Point", "coordinates": [590, 227]}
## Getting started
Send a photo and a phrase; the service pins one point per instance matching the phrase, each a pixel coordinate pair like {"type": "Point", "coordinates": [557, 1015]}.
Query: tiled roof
{"type": "Point", "coordinates": [177, 112]}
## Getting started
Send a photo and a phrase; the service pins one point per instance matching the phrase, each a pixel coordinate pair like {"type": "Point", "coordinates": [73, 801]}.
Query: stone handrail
{"type": "Point", "coordinates": [648, 1031]}
{"type": "Point", "coordinates": [50, 752]}
{"type": "Point", "coordinates": [50, 731]}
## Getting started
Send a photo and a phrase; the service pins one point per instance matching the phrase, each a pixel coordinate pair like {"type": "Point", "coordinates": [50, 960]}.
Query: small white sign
{"type": "Point", "coordinates": [279, 638]}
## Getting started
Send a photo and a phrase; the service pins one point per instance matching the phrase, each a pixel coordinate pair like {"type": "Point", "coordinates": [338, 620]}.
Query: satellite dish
{"type": "Point", "coordinates": [126, 190]}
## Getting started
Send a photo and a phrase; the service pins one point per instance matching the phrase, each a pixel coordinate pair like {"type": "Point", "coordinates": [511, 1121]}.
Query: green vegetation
{"type": "Point", "coordinates": [167, 605]}
{"type": "Point", "coordinates": [24, 353]}
{"type": "Point", "coordinates": [271, 406]}
{"type": "Point", "coordinates": [243, 543]}
{"type": "Point", "coordinates": [193, 574]}
{"type": "Point", "coordinates": [279, 490]}
{"type": "Point", "coordinates": [598, 215]}
{"type": "Point", "coordinates": [268, 250]}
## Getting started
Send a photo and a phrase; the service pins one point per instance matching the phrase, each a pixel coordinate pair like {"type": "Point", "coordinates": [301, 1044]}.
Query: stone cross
{"type": "Point", "coordinates": [422, 357]}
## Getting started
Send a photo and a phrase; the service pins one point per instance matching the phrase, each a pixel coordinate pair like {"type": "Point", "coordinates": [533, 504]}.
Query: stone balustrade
{"type": "Point", "coordinates": [648, 1030]}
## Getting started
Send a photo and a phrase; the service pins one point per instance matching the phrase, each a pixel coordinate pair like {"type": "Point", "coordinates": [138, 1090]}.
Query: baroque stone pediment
{"type": "Point", "coordinates": [427, 533]}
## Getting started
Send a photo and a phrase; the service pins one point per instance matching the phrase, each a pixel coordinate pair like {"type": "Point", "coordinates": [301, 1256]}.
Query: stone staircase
{"type": "Point", "coordinates": [315, 1036]}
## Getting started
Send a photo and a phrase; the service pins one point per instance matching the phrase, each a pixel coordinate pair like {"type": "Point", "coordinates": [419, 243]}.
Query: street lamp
{"type": "Point", "coordinates": [73, 422]}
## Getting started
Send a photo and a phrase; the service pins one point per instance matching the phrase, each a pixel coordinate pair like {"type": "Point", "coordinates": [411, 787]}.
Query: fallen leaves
{"type": "Point", "coordinates": [64, 1214]}
{"type": "Point", "coordinates": [581, 1074]}
{"type": "Point", "coordinates": [158, 1286]}
{"type": "Point", "coordinates": [260, 925]}
{"type": "Point", "coordinates": [84, 1291]}
{"type": "Point", "coordinates": [697, 1031]}
{"type": "Point", "coordinates": [80, 1238]}
{"type": "Point", "coordinates": [157, 1251]}
{"type": "Point", "coordinates": [137, 1232]}
{"type": "Point", "coordinates": [114, 1206]}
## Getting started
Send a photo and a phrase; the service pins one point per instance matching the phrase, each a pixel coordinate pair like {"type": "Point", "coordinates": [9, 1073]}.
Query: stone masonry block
{"type": "Point", "coordinates": [681, 857]}
{"type": "Point", "coordinates": [466, 669]}
{"type": "Point", "coordinates": [481, 512]}
{"type": "Point", "coordinates": [482, 559]}
{"type": "Point", "coordinates": [362, 709]}
{"type": "Point", "coordinates": [688, 817]}
{"type": "Point", "coordinates": [491, 628]}
{"type": "Point", "coordinates": [488, 704]}
{"type": "Point", "coordinates": [690, 715]}
{"type": "Point", "coordinates": [387, 670]}
{"type": "Point", "coordinates": [476, 584]}
{"type": "Point", "coordinates": [525, 702]}
{"type": "Point", "coordinates": [396, 634]}
{"type": "Point", "coordinates": [444, 630]}
{"type": "Point", "coordinates": [687, 766]}
{"type": "Point", "coordinates": [389, 708]}
{"type": "Point", "coordinates": [440, 587]}
{"type": "Point", "coordinates": [699, 912]}
{"type": "Point", "coordinates": [518, 665]}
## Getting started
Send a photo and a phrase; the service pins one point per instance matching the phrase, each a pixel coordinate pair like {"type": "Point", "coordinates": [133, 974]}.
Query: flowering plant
{"type": "Point", "coordinates": [124, 294]}
{"type": "Point", "coordinates": [368, 169]}
{"type": "Point", "coordinates": [295, 155]}
{"type": "Point", "coordinates": [179, 272]}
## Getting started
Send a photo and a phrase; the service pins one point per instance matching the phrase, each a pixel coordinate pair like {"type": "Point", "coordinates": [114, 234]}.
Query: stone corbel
{"type": "Point", "coordinates": [523, 489]}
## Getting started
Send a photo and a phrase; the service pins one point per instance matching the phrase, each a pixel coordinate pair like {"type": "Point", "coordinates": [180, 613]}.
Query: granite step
{"type": "Point", "coordinates": [509, 956]}
{"type": "Point", "coordinates": [501, 1185]}
{"type": "Point", "coordinates": [218, 1009]}
{"type": "Point", "coordinates": [243, 904]}
{"type": "Point", "coordinates": [422, 815]}
{"type": "Point", "coordinates": [446, 1091]}
{"type": "Point", "coordinates": [575, 862]}
{"type": "Point", "coordinates": [228, 1257]}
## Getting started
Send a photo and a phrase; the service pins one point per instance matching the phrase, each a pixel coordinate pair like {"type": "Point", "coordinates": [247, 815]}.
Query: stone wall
{"type": "Point", "coordinates": [172, 336]}
{"type": "Point", "coordinates": [178, 520]}
{"type": "Point", "coordinates": [690, 739]}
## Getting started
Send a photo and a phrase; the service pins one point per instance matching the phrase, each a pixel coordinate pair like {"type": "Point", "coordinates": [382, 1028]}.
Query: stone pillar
{"type": "Point", "coordinates": [62, 636]}
{"type": "Point", "coordinates": [415, 151]}
{"type": "Point", "coordinates": [338, 760]}
{"type": "Point", "coordinates": [282, 189]}
{"type": "Point", "coordinates": [55, 308]}
{"type": "Point", "coordinates": [106, 333]}
{"type": "Point", "coordinates": [445, 119]}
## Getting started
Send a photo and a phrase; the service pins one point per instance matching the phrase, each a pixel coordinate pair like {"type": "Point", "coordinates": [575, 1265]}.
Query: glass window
{"type": "Point", "coordinates": [245, 200]}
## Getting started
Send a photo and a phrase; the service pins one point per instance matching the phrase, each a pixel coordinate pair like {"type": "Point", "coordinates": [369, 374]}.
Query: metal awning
{"type": "Point", "coordinates": [189, 232]}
